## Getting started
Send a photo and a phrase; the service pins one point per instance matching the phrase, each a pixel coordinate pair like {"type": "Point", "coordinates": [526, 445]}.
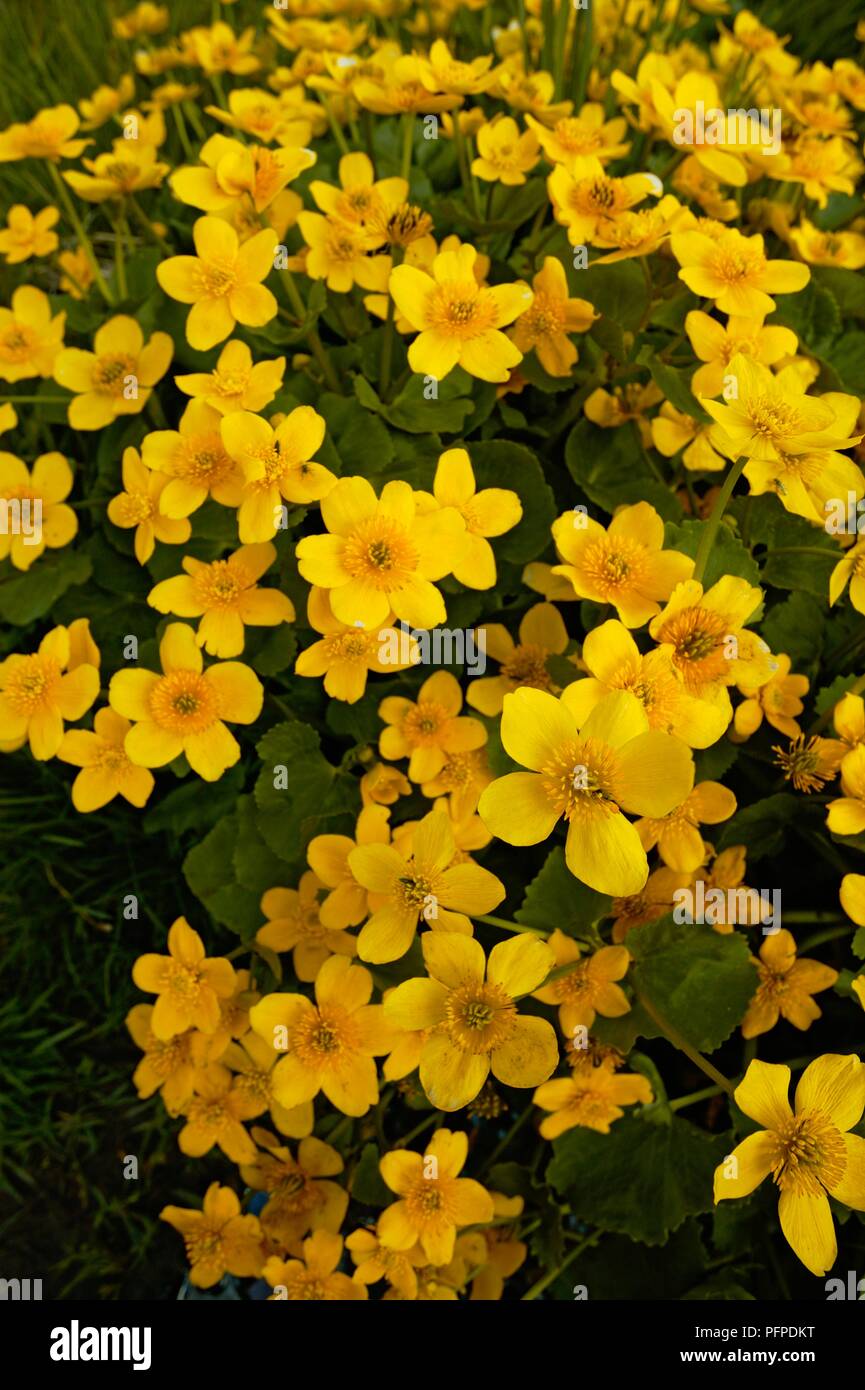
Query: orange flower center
{"type": "Point", "coordinates": [479, 1017]}
{"type": "Point", "coordinates": [216, 278]}
{"type": "Point", "coordinates": [17, 343]}
{"type": "Point", "coordinates": [527, 665]}
{"type": "Point", "coordinates": [545, 316]}
{"type": "Point", "coordinates": [460, 309]}
{"type": "Point", "coordinates": [736, 265]}
{"type": "Point", "coordinates": [219, 586]}
{"type": "Point", "coordinates": [697, 637]}
{"type": "Point", "coordinates": [325, 1038]}
{"type": "Point", "coordinates": [614, 565]}
{"type": "Point", "coordinates": [381, 552]}
{"type": "Point", "coordinates": [135, 507]}
{"type": "Point", "coordinates": [578, 779]}
{"type": "Point", "coordinates": [183, 703]}
{"type": "Point", "coordinates": [423, 724]}
{"type": "Point", "coordinates": [811, 1154]}
{"type": "Point", "coordinates": [202, 459]}
{"type": "Point", "coordinates": [30, 683]}
{"type": "Point", "coordinates": [110, 372]}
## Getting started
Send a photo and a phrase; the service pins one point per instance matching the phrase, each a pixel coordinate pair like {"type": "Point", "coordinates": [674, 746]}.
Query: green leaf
{"type": "Point", "coordinates": [642, 1180]}
{"type": "Point", "coordinates": [728, 555]}
{"type": "Point", "coordinates": [799, 555]}
{"type": "Point", "coordinates": [698, 980]}
{"type": "Point", "coordinates": [619, 1269]}
{"type": "Point", "coordinates": [848, 361]}
{"type": "Point", "coordinates": [186, 809]}
{"type": "Point", "coordinates": [289, 817]}
{"type": "Point", "coordinates": [710, 764]}
{"type": "Point", "coordinates": [674, 384]}
{"type": "Point", "coordinates": [846, 286]}
{"type": "Point", "coordinates": [795, 627]}
{"type": "Point", "coordinates": [367, 1185]}
{"type": "Point", "coordinates": [499, 464]}
{"type": "Point", "coordinates": [24, 597]}
{"type": "Point", "coordinates": [208, 869]}
{"type": "Point", "coordinates": [554, 898]}
{"type": "Point", "coordinates": [763, 827]}
{"type": "Point", "coordinates": [416, 410]}
{"type": "Point", "coordinates": [362, 442]}
{"type": "Point", "coordinates": [612, 470]}
{"type": "Point", "coordinates": [857, 945]}
{"type": "Point", "coordinates": [813, 315]}
{"type": "Point", "coordinates": [617, 290]}
{"type": "Point", "coordinates": [829, 695]}
{"type": "Point", "coordinates": [256, 867]}
{"type": "Point", "coordinates": [270, 650]}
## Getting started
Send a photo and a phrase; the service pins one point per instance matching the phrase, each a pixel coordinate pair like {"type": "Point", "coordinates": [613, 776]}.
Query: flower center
{"type": "Point", "coordinates": [578, 779]}
{"type": "Point", "coordinates": [183, 703]}
{"type": "Point", "coordinates": [479, 1017]}
{"type": "Point", "coordinates": [110, 373]}
{"type": "Point", "coordinates": [697, 637]}
{"type": "Point", "coordinates": [17, 343]}
{"type": "Point", "coordinates": [216, 278]}
{"type": "Point", "coordinates": [30, 683]}
{"type": "Point", "coordinates": [811, 1154]}
{"type": "Point", "coordinates": [614, 565]}
{"type": "Point", "coordinates": [325, 1038]}
{"type": "Point", "coordinates": [218, 586]}
{"type": "Point", "coordinates": [202, 459]}
{"type": "Point", "coordinates": [527, 665]}
{"type": "Point", "coordinates": [380, 551]}
{"type": "Point", "coordinates": [423, 723]}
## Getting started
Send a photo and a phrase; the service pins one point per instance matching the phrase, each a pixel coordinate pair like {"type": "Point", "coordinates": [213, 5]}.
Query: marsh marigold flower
{"type": "Point", "coordinates": [137, 506]}
{"type": "Point", "coordinates": [458, 321]}
{"type": "Point", "coordinates": [425, 886]}
{"type": "Point", "coordinates": [222, 281]}
{"type": "Point", "coordinates": [679, 842]}
{"type": "Point", "coordinates": [117, 377]}
{"type": "Point", "coordinates": [218, 1239]}
{"type": "Point", "coordinates": [626, 565]}
{"type": "Point", "coordinates": [551, 319]}
{"type": "Point", "coordinates": [25, 235]}
{"type": "Point", "coordinates": [590, 775]}
{"type": "Point", "coordinates": [381, 556]}
{"type": "Point", "coordinates": [787, 984]}
{"type": "Point", "coordinates": [186, 708]}
{"type": "Point", "coordinates": [38, 692]}
{"type": "Point", "coordinates": [315, 1276]}
{"type": "Point", "coordinates": [434, 1201]}
{"type": "Point", "coordinates": [347, 654]}
{"type": "Point", "coordinates": [732, 269]}
{"type": "Point", "coordinates": [301, 1197]}
{"type": "Point", "coordinates": [188, 985]}
{"type": "Point", "coordinates": [469, 1006]}
{"type": "Point", "coordinates": [329, 1045]}
{"type": "Point", "coordinates": [226, 596]}
{"type": "Point", "coordinates": [30, 338]}
{"type": "Point", "coordinates": [276, 463]}
{"type": "Point", "coordinates": [542, 634]}
{"type": "Point", "coordinates": [106, 771]}
{"type": "Point", "coordinates": [195, 461]}
{"type": "Point", "coordinates": [294, 924]}
{"type": "Point", "coordinates": [39, 498]}
{"type": "Point", "coordinates": [810, 1153]}
{"type": "Point", "coordinates": [236, 383]}
{"type": "Point", "coordinates": [490, 512]}
{"type": "Point", "coordinates": [592, 1097]}
{"type": "Point", "coordinates": [590, 988]}
{"type": "Point", "coordinates": [346, 901]}
{"type": "Point", "coordinates": [49, 135]}
{"type": "Point", "coordinates": [427, 730]}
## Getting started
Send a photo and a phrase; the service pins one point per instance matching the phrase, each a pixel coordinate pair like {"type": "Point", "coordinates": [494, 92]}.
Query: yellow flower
{"type": "Point", "coordinates": [696, 183]}
{"type": "Point", "coordinates": [138, 506]}
{"type": "Point", "coordinates": [771, 416]}
{"type": "Point", "coordinates": [168, 1065]}
{"type": "Point", "coordinates": [786, 986]}
{"type": "Point", "coordinates": [276, 464]}
{"type": "Point", "coordinates": [720, 144]}
{"type": "Point", "coordinates": [640, 233]}
{"type": "Point", "coordinates": [810, 762]}
{"type": "Point", "coordinates": [360, 199]}
{"type": "Point", "coordinates": [810, 1154]}
{"type": "Point", "coordinates": [654, 900]}
{"type": "Point", "coordinates": [469, 1005]}
{"type": "Point", "coordinates": [117, 377]}
{"type": "Point", "coordinates": [673, 430]}
{"type": "Point", "coordinates": [196, 462]}
{"type": "Point", "coordinates": [591, 1098]}
{"type": "Point", "coordinates": [679, 842]}
{"type": "Point", "coordinates": [25, 235]}
{"type": "Point", "coordinates": [347, 902]}
{"type": "Point", "coordinates": [381, 556]}
{"type": "Point", "coordinates": [330, 1045]}
{"type": "Point", "coordinates": [30, 338]}
{"type": "Point", "coordinates": [425, 886]}
{"type": "Point", "coordinates": [704, 636]}
{"type": "Point", "coordinates": [383, 785]}
{"type": "Point", "coordinates": [433, 1200]}
{"type": "Point", "coordinates": [542, 634]}
{"type": "Point", "coordinates": [218, 1239]}
{"type": "Point", "coordinates": [77, 273]}
{"type": "Point", "coordinates": [550, 320]}
{"type": "Point", "coordinates": [294, 924]}
{"type": "Point", "coordinates": [846, 816]}
{"type": "Point", "coordinates": [426, 731]}
{"type": "Point", "coordinates": [839, 248]}
{"type": "Point", "coordinates": [34, 503]}
{"type": "Point", "coordinates": [610, 410]}
{"type": "Point", "coordinates": [626, 565]}
{"type": "Point", "coordinates": [130, 167]}
{"type": "Point", "coordinates": [615, 662]}
{"type": "Point", "coordinates": [106, 102]}
{"type": "Point", "coordinates": [441, 72]}
{"type": "Point", "coordinates": [584, 196]}
{"type": "Point", "coordinates": [527, 91]}
{"type": "Point", "coordinates": [188, 985]}
{"type": "Point", "coordinates": [821, 166]}
{"type": "Point", "coordinates": [491, 512]}
{"type": "Point", "coordinates": [590, 988]}
{"type": "Point", "coordinates": [219, 49]}
{"type": "Point", "coordinates": [214, 1114]}
{"type": "Point", "coordinates": [347, 654]}
{"type": "Point", "coordinates": [226, 596]}
{"type": "Point", "coordinates": [778, 701]}
{"type": "Point", "coordinates": [232, 170]}
{"type": "Point", "coordinates": [222, 281]}
{"type": "Point", "coordinates": [732, 269]}
{"type": "Point", "coordinates": [106, 771]}
{"type": "Point", "coordinates": [401, 87]}
{"type": "Point", "coordinates": [340, 253]}
{"type": "Point", "coordinates": [186, 708]}
{"type": "Point", "coordinates": [589, 775]}
{"type": "Point", "coordinates": [145, 18]}
{"type": "Point", "coordinates": [47, 136]}
{"type": "Point", "coordinates": [573, 138]}
{"type": "Point", "coordinates": [236, 383]}
{"type": "Point", "coordinates": [315, 1276]}
{"type": "Point", "coordinates": [505, 154]}
{"type": "Point", "coordinates": [716, 344]}
{"type": "Point", "coordinates": [851, 568]}
{"type": "Point", "coordinates": [458, 321]}
{"type": "Point", "coordinates": [300, 1197]}
{"type": "Point", "coordinates": [264, 116]}
{"type": "Point", "coordinates": [375, 1261]}
{"type": "Point", "coordinates": [38, 692]}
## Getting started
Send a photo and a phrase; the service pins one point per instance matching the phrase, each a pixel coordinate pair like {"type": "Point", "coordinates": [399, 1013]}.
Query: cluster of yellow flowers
{"type": "Point", "coordinates": [407, 197]}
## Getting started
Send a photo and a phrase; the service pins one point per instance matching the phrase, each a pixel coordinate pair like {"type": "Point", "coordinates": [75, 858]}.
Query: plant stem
{"type": "Point", "coordinates": [121, 231]}
{"type": "Point", "coordinates": [407, 145]}
{"type": "Point", "coordinates": [335, 128]}
{"type": "Point", "coordinates": [418, 1129]}
{"type": "Point", "coordinates": [682, 1101]}
{"type": "Point", "coordinates": [147, 226]}
{"type": "Point", "coordinates": [511, 926]}
{"type": "Point", "coordinates": [86, 245]}
{"type": "Point", "coordinates": [550, 1278]}
{"type": "Point", "coordinates": [675, 1037]}
{"type": "Point", "coordinates": [708, 538]}
{"type": "Point", "coordinates": [318, 349]}
{"type": "Point", "coordinates": [387, 339]}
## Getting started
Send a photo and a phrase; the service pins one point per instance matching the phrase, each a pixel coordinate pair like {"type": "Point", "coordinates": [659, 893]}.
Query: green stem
{"type": "Point", "coordinates": [35, 400]}
{"type": "Point", "coordinates": [147, 226]}
{"type": "Point", "coordinates": [86, 245]}
{"type": "Point", "coordinates": [183, 133]}
{"type": "Point", "coordinates": [418, 1129]}
{"type": "Point", "coordinates": [121, 232]}
{"type": "Point", "coordinates": [675, 1037]}
{"type": "Point", "coordinates": [821, 937]}
{"type": "Point", "coordinates": [335, 128]}
{"type": "Point", "coordinates": [511, 926]}
{"type": "Point", "coordinates": [407, 145]}
{"type": "Point", "coordinates": [317, 347]}
{"type": "Point", "coordinates": [550, 1278]}
{"type": "Point", "coordinates": [387, 339]}
{"type": "Point", "coordinates": [504, 1143]}
{"type": "Point", "coordinates": [682, 1101]}
{"type": "Point", "coordinates": [708, 538]}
